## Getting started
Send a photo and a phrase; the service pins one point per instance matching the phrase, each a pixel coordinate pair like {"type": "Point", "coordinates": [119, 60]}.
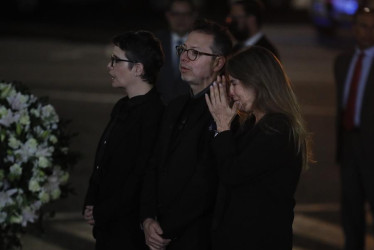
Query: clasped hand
{"type": "Point", "coordinates": [219, 106]}
{"type": "Point", "coordinates": [153, 235]}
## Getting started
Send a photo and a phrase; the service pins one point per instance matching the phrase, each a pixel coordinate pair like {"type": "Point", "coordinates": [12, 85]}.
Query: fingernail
{"type": "Point", "coordinates": [214, 83]}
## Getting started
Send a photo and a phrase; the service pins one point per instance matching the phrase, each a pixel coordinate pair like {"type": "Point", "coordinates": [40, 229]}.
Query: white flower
{"type": "Point", "coordinates": [27, 150]}
{"type": "Point", "coordinates": [29, 213]}
{"type": "Point", "coordinates": [14, 143]}
{"type": "Point", "coordinates": [16, 169]}
{"type": "Point", "coordinates": [5, 197]}
{"type": "Point", "coordinates": [7, 91]}
{"type": "Point", "coordinates": [55, 194]}
{"type": "Point", "coordinates": [24, 118]}
{"type": "Point", "coordinates": [49, 114]}
{"type": "Point", "coordinates": [44, 196]}
{"type": "Point", "coordinates": [8, 118]}
{"type": "Point", "coordinates": [43, 162]}
{"type": "Point", "coordinates": [18, 101]}
{"type": "Point", "coordinates": [53, 139]}
{"type": "Point", "coordinates": [16, 219]}
{"type": "Point", "coordinates": [34, 185]}
{"type": "Point", "coordinates": [35, 112]}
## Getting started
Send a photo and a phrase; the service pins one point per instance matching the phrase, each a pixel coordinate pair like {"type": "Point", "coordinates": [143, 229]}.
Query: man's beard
{"type": "Point", "coordinates": [239, 34]}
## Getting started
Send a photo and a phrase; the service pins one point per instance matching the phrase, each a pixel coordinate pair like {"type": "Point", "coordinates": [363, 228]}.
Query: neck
{"type": "Point", "coordinates": [258, 115]}
{"type": "Point", "coordinates": [139, 88]}
{"type": "Point", "coordinates": [197, 88]}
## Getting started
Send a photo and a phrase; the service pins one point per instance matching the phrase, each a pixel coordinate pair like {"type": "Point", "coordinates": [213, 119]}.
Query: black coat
{"type": "Point", "coordinates": [262, 42]}
{"type": "Point", "coordinates": [181, 181]}
{"type": "Point", "coordinates": [122, 154]}
{"type": "Point", "coordinates": [259, 170]}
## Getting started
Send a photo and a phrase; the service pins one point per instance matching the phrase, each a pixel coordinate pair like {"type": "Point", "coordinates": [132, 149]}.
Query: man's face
{"type": "Point", "coordinates": [200, 71]}
{"type": "Point", "coordinates": [363, 30]}
{"type": "Point", "coordinates": [238, 22]}
{"type": "Point", "coordinates": [180, 18]}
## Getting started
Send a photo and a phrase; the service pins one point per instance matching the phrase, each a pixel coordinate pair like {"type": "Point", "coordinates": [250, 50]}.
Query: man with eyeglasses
{"type": "Point", "coordinates": [112, 200]}
{"type": "Point", "coordinates": [180, 16]}
{"type": "Point", "coordinates": [181, 181]}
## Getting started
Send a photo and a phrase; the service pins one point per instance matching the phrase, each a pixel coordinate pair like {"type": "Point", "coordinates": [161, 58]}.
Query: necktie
{"type": "Point", "coordinates": [348, 115]}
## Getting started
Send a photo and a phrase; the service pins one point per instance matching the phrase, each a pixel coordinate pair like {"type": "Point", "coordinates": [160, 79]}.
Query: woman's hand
{"type": "Point", "coordinates": [219, 106]}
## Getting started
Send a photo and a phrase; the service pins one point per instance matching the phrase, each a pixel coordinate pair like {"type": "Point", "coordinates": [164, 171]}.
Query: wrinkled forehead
{"type": "Point", "coordinates": [200, 41]}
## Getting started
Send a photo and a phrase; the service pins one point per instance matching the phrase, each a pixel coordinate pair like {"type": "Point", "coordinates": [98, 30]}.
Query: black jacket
{"type": "Point", "coordinates": [122, 154]}
{"type": "Point", "coordinates": [259, 170]}
{"type": "Point", "coordinates": [181, 182]}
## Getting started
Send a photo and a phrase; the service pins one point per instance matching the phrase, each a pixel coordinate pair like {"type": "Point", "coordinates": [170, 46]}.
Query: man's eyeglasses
{"type": "Point", "coordinates": [114, 60]}
{"type": "Point", "coordinates": [192, 54]}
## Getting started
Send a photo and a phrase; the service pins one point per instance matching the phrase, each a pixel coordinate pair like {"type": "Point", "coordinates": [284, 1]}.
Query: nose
{"type": "Point", "coordinates": [231, 91]}
{"type": "Point", "coordinates": [109, 65]}
{"type": "Point", "coordinates": [183, 56]}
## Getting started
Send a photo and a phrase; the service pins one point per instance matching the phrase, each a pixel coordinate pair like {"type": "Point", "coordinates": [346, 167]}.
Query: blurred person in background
{"type": "Point", "coordinates": [245, 21]}
{"type": "Point", "coordinates": [180, 15]}
{"type": "Point", "coordinates": [260, 147]}
{"type": "Point", "coordinates": [112, 200]}
{"type": "Point", "coordinates": [180, 183]}
{"type": "Point", "coordinates": [354, 76]}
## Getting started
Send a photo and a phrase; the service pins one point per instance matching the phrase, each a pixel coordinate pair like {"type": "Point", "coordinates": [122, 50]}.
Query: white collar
{"type": "Point", "coordinates": [368, 52]}
{"type": "Point", "coordinates": [253, 39]}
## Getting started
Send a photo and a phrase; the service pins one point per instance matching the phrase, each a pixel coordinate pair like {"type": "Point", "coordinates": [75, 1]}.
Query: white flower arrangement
{"type": "Point", "coordinates": [34, 160]}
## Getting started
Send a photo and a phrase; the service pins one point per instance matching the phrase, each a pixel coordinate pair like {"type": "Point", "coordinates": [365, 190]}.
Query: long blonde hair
{"type": "Point", "coordinates": [258, 68]}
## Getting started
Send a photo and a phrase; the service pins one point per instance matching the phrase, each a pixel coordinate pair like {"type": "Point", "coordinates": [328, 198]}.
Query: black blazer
{"type": "Point", "coordinates": [259, 170]}
{"type": "Point", "coordinates": [341, 68]}
{"type": "Point", "coordinates": [169, 84]}
{"type": "Point", "coordinates": [262, 42]}
{"type": "Point", "coordinates": [122, 154]}
{"type": "Point", "coordinates": [181, 182]}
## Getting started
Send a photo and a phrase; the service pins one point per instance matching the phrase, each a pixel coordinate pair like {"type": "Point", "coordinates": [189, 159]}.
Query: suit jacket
{"type": "Point", "coordinates": [341, 68]}
{"type": "Point", "coordinates": [262, 42]}
{"type": "Point", "coordinates": [122, 154]}
{"type": "Point", "coordinates": [259, 169]}
{"type": "Point", "coordinates": [180, 183]}
{"type": "Point", "coordinates": [169, 83]}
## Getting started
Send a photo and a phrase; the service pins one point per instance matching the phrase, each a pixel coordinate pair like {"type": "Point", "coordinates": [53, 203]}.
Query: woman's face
{"type": "Point", "coordinates": [121, 75]}
{"type": "Point", "coordinates": [243, 94]}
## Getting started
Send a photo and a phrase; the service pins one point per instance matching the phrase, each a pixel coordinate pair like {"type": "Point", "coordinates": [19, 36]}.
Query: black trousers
{"type": "Point", "coordinates": [357, 185]}
{"type": "Point", "coordinates": [117, 236]}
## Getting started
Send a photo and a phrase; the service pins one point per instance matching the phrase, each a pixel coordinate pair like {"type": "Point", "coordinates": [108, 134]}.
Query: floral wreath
{"type": "Point", "coordinates": [34, 160]}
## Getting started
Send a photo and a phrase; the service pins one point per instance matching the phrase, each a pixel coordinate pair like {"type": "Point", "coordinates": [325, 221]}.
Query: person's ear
{"type": "Point", "coordinates": [138, 68]}
{"type": "Point", "coordinates": [219, 63]}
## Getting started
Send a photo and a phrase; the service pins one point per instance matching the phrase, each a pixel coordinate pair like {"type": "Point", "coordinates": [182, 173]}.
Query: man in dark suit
{"type": "Point", "coordinates": [112, 200]}
{"type": "Point", "coordinates": [180, 184]}
{"type": "Point", "coordinates": [354, 75]}
{"type": "Point", "coordinates": [245, 22]}
{"type": "Point", "coordinates": [180, 15]}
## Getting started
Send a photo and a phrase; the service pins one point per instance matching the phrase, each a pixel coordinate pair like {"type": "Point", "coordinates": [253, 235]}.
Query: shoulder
{"type": "Point", "coordinates": [117, 106]}
{"type": "Point", "coordinates": [275, 123]}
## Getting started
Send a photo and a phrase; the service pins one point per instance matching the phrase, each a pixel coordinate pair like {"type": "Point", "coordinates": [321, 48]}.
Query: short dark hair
{"type": "Point", "coordinates": [222, 43]}
{"type": "Point", "coordinates": [189, 2]}
{"type": "Point", "coordinates": [142, 47]}
{"type": "Point", "coordinates": [253, 8]}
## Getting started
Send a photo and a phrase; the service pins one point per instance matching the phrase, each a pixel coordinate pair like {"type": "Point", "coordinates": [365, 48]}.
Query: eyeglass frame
{"type": "Point", "coordinates": [114, 59]}
{"type": "Point", "coordinates": [197, 55]}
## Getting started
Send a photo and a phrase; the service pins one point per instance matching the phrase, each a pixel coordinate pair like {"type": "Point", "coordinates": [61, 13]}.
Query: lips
{"type": "Point", "coordinates": [184, 69]}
